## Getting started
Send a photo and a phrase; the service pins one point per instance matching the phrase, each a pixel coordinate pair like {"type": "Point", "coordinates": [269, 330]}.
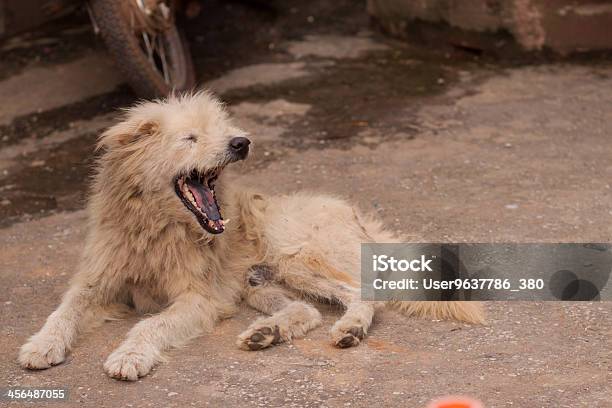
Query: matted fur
{"type": "Point", "coordinates": [145, 248]}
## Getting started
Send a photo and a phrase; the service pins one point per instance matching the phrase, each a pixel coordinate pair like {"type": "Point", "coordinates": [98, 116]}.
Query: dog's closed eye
{"type": "Point", "coordinates": [191, 138]}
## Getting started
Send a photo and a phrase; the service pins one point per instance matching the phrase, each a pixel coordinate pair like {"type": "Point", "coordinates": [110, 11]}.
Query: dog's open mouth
{"type": "Point", "coordinates": [197, 192]}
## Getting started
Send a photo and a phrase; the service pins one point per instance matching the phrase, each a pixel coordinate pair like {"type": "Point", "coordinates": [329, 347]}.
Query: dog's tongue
{"type": "Point", "coordinates": [206, 200]}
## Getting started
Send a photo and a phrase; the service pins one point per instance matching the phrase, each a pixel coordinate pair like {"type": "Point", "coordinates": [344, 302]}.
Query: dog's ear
{"type": "Point", "coordinates": [143, 130]}
{"type": "Point", "coordinates": [126, 133]}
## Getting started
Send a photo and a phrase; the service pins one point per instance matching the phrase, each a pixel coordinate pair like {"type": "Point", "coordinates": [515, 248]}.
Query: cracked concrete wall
{"type": "Point", "coordinates": [562, 25]}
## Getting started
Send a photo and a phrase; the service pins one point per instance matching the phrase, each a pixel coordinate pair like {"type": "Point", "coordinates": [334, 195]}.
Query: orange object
{"type": "Point", "coordinates": [455, 402]}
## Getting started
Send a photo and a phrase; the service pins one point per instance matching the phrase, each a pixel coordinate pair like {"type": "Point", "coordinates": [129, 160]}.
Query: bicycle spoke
{"type": "Point", "coordinates": [162, 57]}
{"type": "Point", "coordinates": [153, 41]}
{"type": "Point", "coordinates": [149, 47]}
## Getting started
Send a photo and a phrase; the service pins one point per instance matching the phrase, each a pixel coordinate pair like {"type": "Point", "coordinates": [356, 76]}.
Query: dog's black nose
{"type": "Point", "coordinates": [240, 146]}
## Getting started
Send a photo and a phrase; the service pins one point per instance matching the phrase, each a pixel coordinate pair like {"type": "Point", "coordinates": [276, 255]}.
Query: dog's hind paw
{"type": "Point", "coordinates": [41, 353]}
{"type": "Point", "coordinates": [128, 365]}
{"type": "Point", "coordinates": [259, 337]}
{"type": "Point", "coordinates": [350, 337]}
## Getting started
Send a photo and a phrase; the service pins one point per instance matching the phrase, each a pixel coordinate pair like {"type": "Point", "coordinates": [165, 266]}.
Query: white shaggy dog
{"type": "Point", "coordinates": [157, 241]}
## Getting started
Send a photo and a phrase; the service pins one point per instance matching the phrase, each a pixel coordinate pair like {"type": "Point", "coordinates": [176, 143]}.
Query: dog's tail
{"type": "Point", "coordinates": [469, 312]}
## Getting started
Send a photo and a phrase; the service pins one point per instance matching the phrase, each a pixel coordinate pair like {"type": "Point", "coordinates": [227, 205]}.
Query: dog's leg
{"type": "Point", "coordinates": [293, 320]}
{"type": "Point", "coordinates": [289, 318]}
{"type": "Point", "coordinates": [143, 301]}
{"type": "Point", "coordinates": [354, 324]}
{"type": "Point", "coordinates": [49, 346]}
{"type": "Point", "coordinates": [188, 316]}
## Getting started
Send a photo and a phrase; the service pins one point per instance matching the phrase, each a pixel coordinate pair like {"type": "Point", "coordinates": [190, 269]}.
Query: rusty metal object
{"type": "Point", "coordinates": [150, 16]}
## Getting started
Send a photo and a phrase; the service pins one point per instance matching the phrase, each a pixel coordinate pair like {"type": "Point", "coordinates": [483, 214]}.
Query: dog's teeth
{"type": "Point", "coordinates": [191, 197]}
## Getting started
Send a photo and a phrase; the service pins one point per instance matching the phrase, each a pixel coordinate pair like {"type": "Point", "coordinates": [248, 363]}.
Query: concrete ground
{"type": "Point", "coordinates": [442, 145]}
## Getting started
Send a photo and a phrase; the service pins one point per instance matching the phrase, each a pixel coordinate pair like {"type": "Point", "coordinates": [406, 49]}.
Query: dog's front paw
{"type": "Point", "coordinates": [128, 364]}
{"type": "Point", "coordinates": [42, 352]}
{"type": "Point", "coordinates": [259, 337]}
{"type": "Point", "coordinates": [345, 337]}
